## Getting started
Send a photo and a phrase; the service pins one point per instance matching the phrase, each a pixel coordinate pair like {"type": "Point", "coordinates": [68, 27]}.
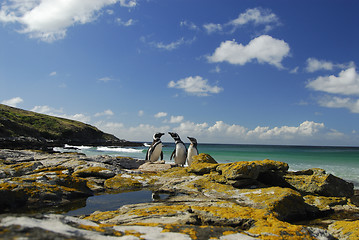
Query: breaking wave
{"type": "Point", "coordinates": [118, 149]}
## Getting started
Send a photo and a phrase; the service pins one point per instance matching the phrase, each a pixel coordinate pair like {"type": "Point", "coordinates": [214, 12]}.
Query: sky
{"type": "Point", "coordinates": [222, 71]}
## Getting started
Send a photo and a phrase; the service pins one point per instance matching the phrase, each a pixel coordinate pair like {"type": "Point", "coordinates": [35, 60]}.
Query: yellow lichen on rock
{"type": "Point", "coordinates": [347, 230]}
{"type": "Point", "coordinates": [202, 168]}
{"type": "Point", "coordinates": [203, 158]}
{"type": "Point", "coordinates": [99, 216]}
{"type": "Point", "coordinates": [255, 221]}
{"type": "Point", "coordinates": [159, 210]}
{"type": "Point", "coordinates": [282, 202]}
{"type": "Point", "coordinates": [250, 169]}
{"type": "Point", "coordinates": [100, 172]}
{"type": "Point", "coordinates": [122, 183]}
{"type": "Point", "coordinates": [176, 172]}
{"type": "Point", "coordinates": [325, 203]}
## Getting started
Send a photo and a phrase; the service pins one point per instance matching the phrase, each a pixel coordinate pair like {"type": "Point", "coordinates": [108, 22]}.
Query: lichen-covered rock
{"type": "Point", "coordinates": [155, 167]}
{"type": "Point", "coordinates": [228, 216]}
{"type": "Point", "coordinates": [318, 182]}
{"type": "Point", "coordinates": [203, 158]}
{"type": "Point", "coordinates": [346, 230]}
{"type": "Point", "coordinates": [286, 204]}
{"type": "Point", "coordinates": [40, 190]}
{"type": "Point", "coordinates": [325, 203]}
{"type": "Point", "coordinates": [123, 182]}
{"type": "Point", "coordinates": [250, 169]}
{"type": "Point", "coordinates": [99, 172]}
{"type": "Point", "coordinates": [202, 168]}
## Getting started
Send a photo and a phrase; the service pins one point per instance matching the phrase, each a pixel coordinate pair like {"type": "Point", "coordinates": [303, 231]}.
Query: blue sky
{"type": "Point", "coordinates": [223, 71]}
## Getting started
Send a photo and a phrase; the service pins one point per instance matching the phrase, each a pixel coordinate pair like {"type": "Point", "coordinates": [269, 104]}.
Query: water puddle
{"type": "Point", "coordinates": [111, 202]}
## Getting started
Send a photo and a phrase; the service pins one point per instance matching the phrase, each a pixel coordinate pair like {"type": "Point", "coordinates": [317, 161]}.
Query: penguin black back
{"type": "Point", "coordinates": [180, 152]}
{"type": "Point", "coordinates": [154, 152]}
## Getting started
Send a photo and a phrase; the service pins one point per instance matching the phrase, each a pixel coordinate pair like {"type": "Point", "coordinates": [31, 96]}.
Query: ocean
{"type": "Point", "coordinates": [342, 162]}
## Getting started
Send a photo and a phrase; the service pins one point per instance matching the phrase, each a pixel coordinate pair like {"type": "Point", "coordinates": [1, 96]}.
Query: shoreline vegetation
{"type": "Point", "coordinates": [21, 129]}
{"type": "Point", "coordinates": [238, 200]}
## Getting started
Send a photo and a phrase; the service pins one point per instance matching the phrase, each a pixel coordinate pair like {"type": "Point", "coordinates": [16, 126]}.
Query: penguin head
{"type": "Point", "coordinates": [157, 135]}
{"type": "Point", "coordinates": [193, 140]}
{"type": "Point", "coordinates": [174, 135]}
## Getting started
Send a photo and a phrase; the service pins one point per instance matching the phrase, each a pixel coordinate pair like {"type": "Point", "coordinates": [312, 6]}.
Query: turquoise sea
{"type": "Point", "coordinates": [340, 161]}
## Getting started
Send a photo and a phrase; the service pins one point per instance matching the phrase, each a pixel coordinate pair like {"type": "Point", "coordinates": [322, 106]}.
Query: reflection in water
{"type": "Point", "coordinates": [111, 202]}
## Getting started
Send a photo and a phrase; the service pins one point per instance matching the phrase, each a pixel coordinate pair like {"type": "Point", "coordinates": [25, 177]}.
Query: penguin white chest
{"type": "Point", "coordinates": [156, 153]}
{"type": "Point", "coordinates": [192, 151]}
{"type": "Point", "coordinates": [180, 157]}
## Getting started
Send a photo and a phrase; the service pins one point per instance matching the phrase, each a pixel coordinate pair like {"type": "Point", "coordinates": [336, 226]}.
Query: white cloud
{"type": "Point", "coordinates": [189, 25]}
{"type": "Point", "coordinates": [160, 115]}
{"type": "Point", "coordinates": [173, 45]}
{"type": "Point", "coordinates": [346, 83]}
{"type": "Point", "coordinates": [294, 70]}
{"type": "Point", "coordinates": [256, 16]}
{"type": "Point", "coordinates": [127, 23]}
{"type": "Point", "coordinates": [195, 85]}
{"type": "Point", "coordinates": [142, 132]}
{"type": "Point", "coordinates": [305, 129]}
{"type": "Point", "coordinates": [52, 74]}
{"type": "Point", "coordinates": [140, 113]}
{"type": "Point", "coordinates": [306, 133]}
{"type": "Point", "coordinates": [13, 102]}
{"type": "Point", "coordinates": [47, 110]}
{"type": "Point", "coordinates": [211, 28]}
{"type": "Point", "coordinates": [314, 65]}
{"type": "Point", "coordinates": [338, 102]}
{"type": "Point", "coordinates": [49, 20]}
{"type": "Point", "coordinates": [264, 49]}
{"type": "Point", "coordinates": [105, 79]}
{"type": "Point", "coordinates": [176, 119]}
{"type": "Point", "coordinates": [107, 112]}
{"type": "Point", "coordinates": [128, 3]}
{"type": "Point", "coordinates": [60, 113]}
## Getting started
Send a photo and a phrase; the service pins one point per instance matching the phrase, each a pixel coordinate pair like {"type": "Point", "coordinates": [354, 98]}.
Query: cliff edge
{"type": "Point", "coordinates": [25, 129]}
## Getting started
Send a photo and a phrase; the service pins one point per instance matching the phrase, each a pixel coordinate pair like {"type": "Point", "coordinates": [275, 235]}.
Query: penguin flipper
{"type": "Point", "coordinates": [161, 155]}
{"type": "Point", "coordinates": [173, 153]}
{"type": "Point", "coordinates": [147, 154]}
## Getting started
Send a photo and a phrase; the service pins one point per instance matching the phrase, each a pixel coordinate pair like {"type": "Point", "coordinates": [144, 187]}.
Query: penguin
{"type": "Point", "coordinates": [155, 150]}
{"type": "Point", "coordinates": [180, 152]}
{"type": "Point", "coordinates": [192, 150]}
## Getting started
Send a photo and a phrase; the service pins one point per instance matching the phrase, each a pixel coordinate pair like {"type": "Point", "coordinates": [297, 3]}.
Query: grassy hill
{"type": "Point", "coordinates": [21, 124]}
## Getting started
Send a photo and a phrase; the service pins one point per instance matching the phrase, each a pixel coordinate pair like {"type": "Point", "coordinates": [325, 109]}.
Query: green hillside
{"type": "Point", "coordinates": [15, 123]}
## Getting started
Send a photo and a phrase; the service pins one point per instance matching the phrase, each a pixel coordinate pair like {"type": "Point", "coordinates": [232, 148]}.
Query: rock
{"type": "Point", "coordinates": [346, 230]}
{"type": "Point", "coordinates": [125, 182]}
{"type": "Point", "coordinates": [325, 203]}
{"type": "Point", "coordinates": [41, 190]}
{"type": "Point", "coordinates": [317, 181]}
{"type": "Point", "coordinates": [203, 158]}
{"type": "Point", "coordinates": [155, 167]}
{"type": "Point", "coordinates": [120, 162]}
{"type": "Point", "coordinates": [250, 169]}
{"type": "Point", "coordinates": [99, 172]}
{"type": "Point", "coordinates": [224, 218]}
{"type": "Point", "coordinates": [243, 200]}
{"type": "Point", "coordinates": [202, 168]}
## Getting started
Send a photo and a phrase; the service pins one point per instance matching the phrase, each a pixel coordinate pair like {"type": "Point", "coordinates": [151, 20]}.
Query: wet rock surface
{"type": "Point", "coordinates": [242, 200]}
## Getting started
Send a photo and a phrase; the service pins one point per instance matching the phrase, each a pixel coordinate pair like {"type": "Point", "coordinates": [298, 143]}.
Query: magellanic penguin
{"type": "Point", "coordinates": [180, 152]}
{"type": "Point", "coordinates": [154, 152]}
{"type": "Point", "coordinates": [192, 150]}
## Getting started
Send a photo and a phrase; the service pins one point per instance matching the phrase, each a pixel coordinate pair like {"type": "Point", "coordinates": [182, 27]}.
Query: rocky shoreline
{"type": "Point", "coordinates": [241, 200]}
